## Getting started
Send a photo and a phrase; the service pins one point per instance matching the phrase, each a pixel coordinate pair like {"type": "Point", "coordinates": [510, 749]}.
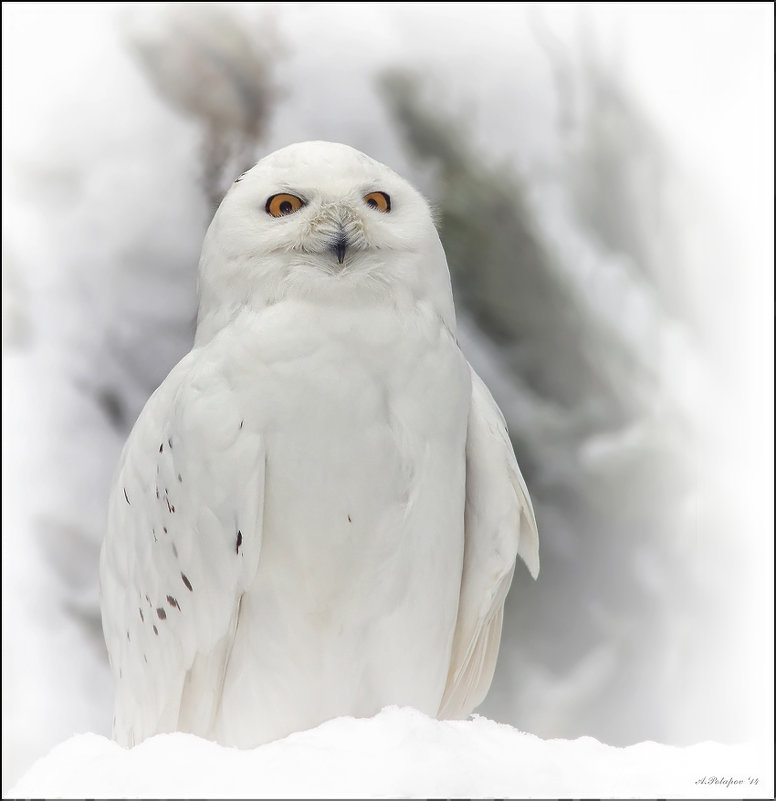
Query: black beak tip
{"type": "Point", "coordinates": [340, 247]}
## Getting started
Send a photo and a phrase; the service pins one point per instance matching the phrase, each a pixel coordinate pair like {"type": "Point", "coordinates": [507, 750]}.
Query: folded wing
{"type": "Point", "coordinates": [182, 545]}
{"type": "Point", "coordinates": [499, 526]}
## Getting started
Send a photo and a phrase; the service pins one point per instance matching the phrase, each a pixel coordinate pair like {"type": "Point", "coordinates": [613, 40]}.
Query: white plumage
{"type": "Point", "coordinates": [319, 510]}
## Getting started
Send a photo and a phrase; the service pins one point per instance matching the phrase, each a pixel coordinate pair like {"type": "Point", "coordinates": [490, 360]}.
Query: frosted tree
{"type": "Point", "coordinates": [216, 67]}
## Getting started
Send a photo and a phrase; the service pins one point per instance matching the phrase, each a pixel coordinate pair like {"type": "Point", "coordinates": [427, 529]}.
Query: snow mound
{"type": "Point", "coordinates": [398, 753]}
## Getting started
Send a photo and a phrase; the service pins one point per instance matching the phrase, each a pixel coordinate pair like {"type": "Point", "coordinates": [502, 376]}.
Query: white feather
{"type": "Point", "coordinates": [499, 526]}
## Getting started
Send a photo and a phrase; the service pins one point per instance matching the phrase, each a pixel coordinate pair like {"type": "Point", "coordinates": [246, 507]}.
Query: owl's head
{"type": "Point", "coordinates": [325, 223]}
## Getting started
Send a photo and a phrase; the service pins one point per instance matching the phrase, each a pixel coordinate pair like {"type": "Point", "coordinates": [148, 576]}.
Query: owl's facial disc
{"type": "Point", "coordinates": [333, 227]}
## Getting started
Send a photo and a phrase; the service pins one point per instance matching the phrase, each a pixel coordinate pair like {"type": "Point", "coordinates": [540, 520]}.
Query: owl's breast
{"type": "Point", "coordinates": [360, 401]}
{"type": "Point", "coordinates": [362, 548]}
{"type": "Point", "coordinates": [369, 429]}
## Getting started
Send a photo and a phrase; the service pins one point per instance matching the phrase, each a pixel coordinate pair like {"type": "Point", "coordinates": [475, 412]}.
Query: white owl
{"type": "Point", "coordinates": [319, 510]}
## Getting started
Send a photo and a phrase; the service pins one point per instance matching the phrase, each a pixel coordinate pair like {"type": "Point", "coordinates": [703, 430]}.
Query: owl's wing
{"type": "Point", "coordinates": [182, 544]}
{"type": "Point", "coordinates": [499, 525]}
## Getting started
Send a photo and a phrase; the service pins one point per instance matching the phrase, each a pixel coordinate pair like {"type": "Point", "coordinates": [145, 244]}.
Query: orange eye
{"type": "Point", "coordinates": [378, 201]}
{"type": "Point", "coordinates": [283, 204]}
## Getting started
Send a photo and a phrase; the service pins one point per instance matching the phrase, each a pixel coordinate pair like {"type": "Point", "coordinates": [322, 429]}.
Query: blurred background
{"type": "Point", "coordinates": [603, 178]}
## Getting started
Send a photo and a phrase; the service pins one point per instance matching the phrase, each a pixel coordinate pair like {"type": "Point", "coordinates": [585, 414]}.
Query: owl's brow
{"type": "Point", "coordinates": [287, 189]}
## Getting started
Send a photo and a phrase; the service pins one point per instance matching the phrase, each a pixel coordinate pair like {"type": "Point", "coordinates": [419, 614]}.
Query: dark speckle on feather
{"type": "Point", "coordinates": [145, 658]}
{"type": "Point", "coordinates": [174, 551]}
{"type": "Point", "coordinates": [126, 497]}
{"type": "Point", "coordinates": [241, 423]}
{"type": "Point", "coordinates": [187, 582]}
{"type": "Point", "coordinates": [179, 478]}
{"type": "Point", "coordinates": [161, 447]}
{"type": "Point", "coordinates": [156, 631]}
{"type": "Point", "coordinates": [169, 442]}
{"type": "Point", "coordinates": [162, 615]}
{"type": "Point", "coordinates": [173, 602]}
{"type": "Point", "coordinates": [141, 614]}
{"type": "Point", "coordinates": [239, 542]}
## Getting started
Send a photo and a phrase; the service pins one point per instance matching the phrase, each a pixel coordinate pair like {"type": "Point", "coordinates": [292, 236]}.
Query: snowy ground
{"type": "Point", "coordinates": [399, 753]}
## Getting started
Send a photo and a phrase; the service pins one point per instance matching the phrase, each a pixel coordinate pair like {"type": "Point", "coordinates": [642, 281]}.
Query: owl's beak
{"type": "Point", "coordinates": [339, 247]}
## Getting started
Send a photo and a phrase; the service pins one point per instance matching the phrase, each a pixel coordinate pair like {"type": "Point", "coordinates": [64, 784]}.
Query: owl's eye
{"type": "Point", "coordinates": [283, 204]}
{"type": "Point", "coordinates": [379, 201]}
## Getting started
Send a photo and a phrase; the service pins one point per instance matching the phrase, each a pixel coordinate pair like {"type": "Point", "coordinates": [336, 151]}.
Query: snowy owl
{"type": "Point", "coordinates": [319, 511]}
